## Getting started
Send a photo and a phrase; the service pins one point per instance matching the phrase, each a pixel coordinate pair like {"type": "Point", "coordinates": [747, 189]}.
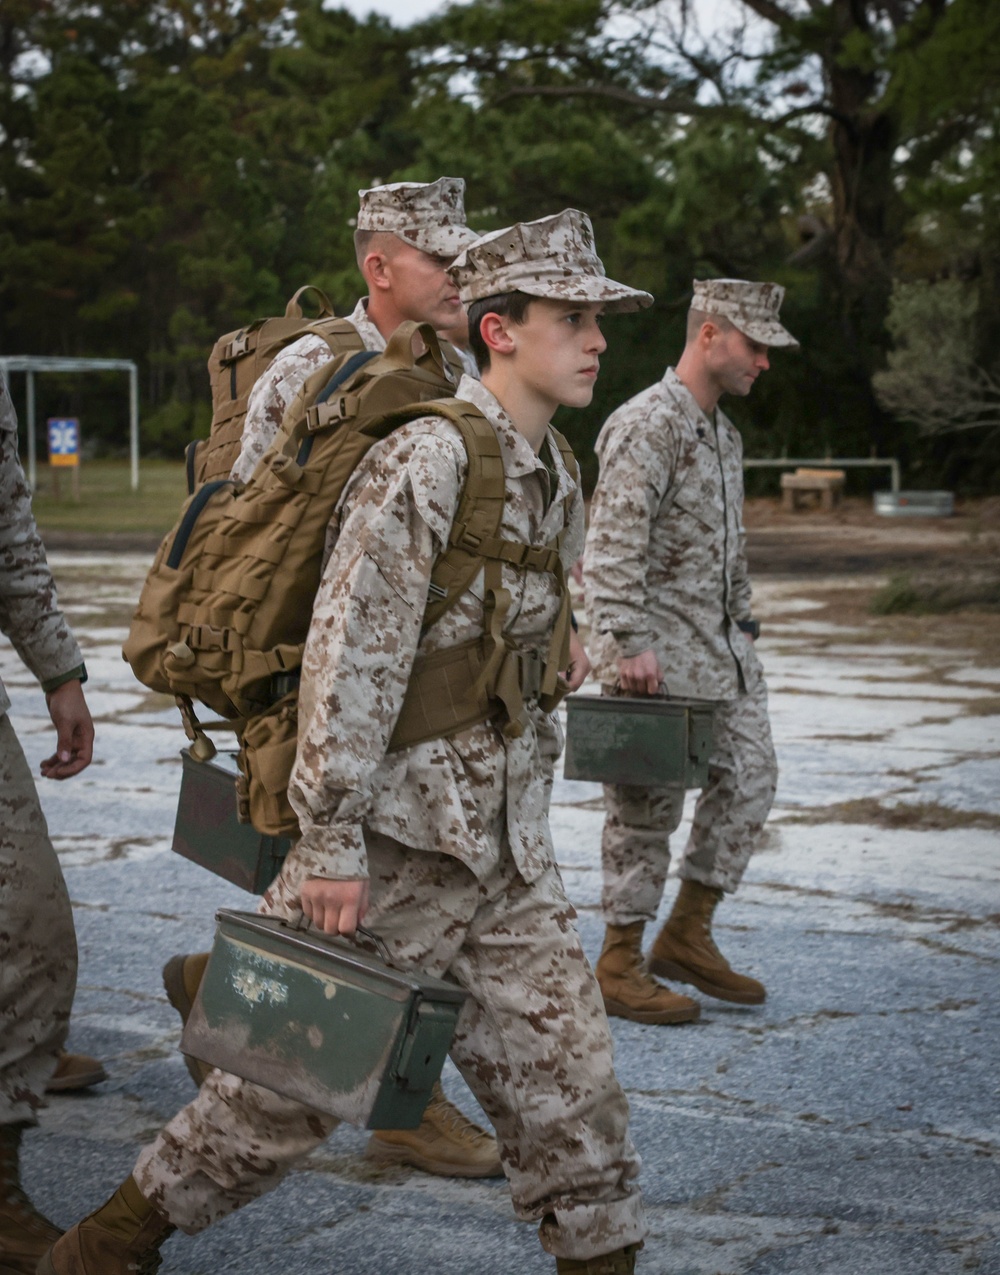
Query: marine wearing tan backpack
{"type": "Point", "coordinates": [225, 609]}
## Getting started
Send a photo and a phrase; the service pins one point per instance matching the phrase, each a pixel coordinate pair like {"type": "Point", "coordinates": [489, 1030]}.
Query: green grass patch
{"type": "Point", "coordinates": [937, 593]}
{"type": "Point", "coordinates": [107, 502]}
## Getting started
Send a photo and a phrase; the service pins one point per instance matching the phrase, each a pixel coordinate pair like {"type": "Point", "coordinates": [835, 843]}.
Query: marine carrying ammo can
{"type": "Point", "coordinates": [657, 743]}
{"type": "Point", "coordinates": [317, 1019]}
{"type": "Point", "coordinates": [208, 830]}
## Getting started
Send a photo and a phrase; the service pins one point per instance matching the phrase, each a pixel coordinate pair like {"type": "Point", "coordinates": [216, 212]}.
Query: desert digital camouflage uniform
{"type": "Point", "coordinates": [665, 569]}
{"type": "Point", "coordinates": [453, 837]}
{"type": "Point", "coordinates": [37, 940]}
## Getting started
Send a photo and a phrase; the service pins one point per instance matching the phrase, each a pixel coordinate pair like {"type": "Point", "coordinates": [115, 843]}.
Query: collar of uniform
{"type": "Point", "coordinates": [518, 457]}
{"type": "Point", "coordinates": [698, 421]}
{"type": "Point", "coordinates": [367, 331]}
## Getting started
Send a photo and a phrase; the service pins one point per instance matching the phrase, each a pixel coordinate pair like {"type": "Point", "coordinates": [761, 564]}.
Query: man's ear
{"type": "Point", "coordinates": [495, 331]}
{"type": "Point", "coordinates": [376, 272]}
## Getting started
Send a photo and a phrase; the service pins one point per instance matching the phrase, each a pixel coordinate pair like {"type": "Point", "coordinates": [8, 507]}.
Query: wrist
{"type": "Point", "coordinates": [78, 674]}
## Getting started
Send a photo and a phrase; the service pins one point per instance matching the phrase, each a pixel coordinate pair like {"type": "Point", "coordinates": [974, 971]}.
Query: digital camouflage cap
{"type": "Point", "coordinates": [750, 307]}
{"type": "Point", "coordinates": [428, 215]}
{"type": "Point", "coordinates": [553, 257]}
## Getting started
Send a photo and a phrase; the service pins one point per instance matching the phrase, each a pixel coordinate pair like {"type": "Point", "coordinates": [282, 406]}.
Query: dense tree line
{"type": "Point", "coordinates": [170, 169]}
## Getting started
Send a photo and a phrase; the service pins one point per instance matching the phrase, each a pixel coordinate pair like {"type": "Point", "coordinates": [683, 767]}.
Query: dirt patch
{"type": "Point", "coordinates": [853, 539]}
{"type": "Point", "coordinates": [970, 633]}
{"type": "Point", "coordinates": [922, 815]}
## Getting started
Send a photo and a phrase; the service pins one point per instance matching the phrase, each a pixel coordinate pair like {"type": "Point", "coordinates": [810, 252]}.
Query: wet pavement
{"type": "Point", "coordinates": [849, 1126]}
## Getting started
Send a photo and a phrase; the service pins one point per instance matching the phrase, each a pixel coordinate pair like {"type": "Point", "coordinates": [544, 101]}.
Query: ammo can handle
{"type": "Point", "coordinates": [370, 935]}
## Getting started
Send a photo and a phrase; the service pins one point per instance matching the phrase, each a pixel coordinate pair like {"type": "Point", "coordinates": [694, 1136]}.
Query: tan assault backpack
{"type": "Point", "coordinates": [237, 362]}
{"type": "Point", "coordinates": [224, 613]}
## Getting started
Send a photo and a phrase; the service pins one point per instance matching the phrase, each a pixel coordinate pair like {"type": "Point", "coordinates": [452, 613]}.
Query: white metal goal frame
{"type": "Point", "coordinates": [31, 364]}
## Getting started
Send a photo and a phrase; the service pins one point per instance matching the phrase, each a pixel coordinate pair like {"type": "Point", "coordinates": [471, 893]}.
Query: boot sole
{"type": "Point", "coordinates": [66, 1084]}
{"type": "Point", "coordinates": [386, 1153]}
{"type": "Point", "coordinates": [652, 1018]}
{"type": "Point", "coordinates": [680, 974]}
{"type": "Point", "coordinates": [173, 985]}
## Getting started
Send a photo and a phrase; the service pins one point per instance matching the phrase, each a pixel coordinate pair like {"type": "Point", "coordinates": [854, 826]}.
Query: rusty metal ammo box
{"type": "Point", "coordinates": [208, 831]}
{"type": "Point", "coordinates": [659, 743]}
{"type": "Point", "coordinates": [319, 1020]}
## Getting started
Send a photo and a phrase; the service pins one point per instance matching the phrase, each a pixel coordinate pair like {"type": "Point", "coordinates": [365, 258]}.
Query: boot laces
{"type": "Point", "coordinates": [456, 1122]}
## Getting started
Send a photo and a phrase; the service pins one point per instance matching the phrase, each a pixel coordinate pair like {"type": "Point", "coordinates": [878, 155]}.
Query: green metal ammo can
{"type": "Point", "coordinates": [656, 743]}
{"type": "Point", "coordinates": [208, 829]}
{"type": "Point", "coordinates": [317, 1019]}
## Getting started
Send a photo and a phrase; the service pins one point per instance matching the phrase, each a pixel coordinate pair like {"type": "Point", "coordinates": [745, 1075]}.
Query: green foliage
{"type": "Point", "coordinates": [170, 170]}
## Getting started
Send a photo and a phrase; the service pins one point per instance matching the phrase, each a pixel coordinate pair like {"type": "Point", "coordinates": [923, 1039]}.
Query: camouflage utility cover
{"type": "Point", "coordinates": [750, 307]}
{"type": "Point", "coordinates": [428, 215]}
{"type": "Point", "coordinates": [554, 257]}
{"type": "Point", "coordinates": [460, 796]}
{"type": "Point", "coordinates": [665, 567]}
{"type": "Point", "coordinates": [29, 611]}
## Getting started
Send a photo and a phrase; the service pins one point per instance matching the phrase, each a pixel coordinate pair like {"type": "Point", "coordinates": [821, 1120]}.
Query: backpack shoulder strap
{"type": "Point", "coordinates": [480, 506]}
{"type": "Point", "coordinates": [340, 335]}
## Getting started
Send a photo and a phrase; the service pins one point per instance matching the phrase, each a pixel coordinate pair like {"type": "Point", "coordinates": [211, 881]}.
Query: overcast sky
{"type": "Point", "coordinates": [400, 12]}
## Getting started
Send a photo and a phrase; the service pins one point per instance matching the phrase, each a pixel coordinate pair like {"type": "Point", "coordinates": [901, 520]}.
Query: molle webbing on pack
{"type": "Point", "coordinates": [458, 687]}
{"type": "Point", "coordinates": [237, 362]}
{"type": "Point", "coordinates": [227, 603]}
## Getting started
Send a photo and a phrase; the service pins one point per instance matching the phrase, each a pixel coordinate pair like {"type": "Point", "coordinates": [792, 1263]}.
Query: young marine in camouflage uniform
{"type": "Point", "coordinates": [37, 939]}
{"type": "Point", "coordinates": [406, 234]}
{"type": "Point", "coordinates": [668, 599]}
{"type": "Point", "coordinates": [442, 848]}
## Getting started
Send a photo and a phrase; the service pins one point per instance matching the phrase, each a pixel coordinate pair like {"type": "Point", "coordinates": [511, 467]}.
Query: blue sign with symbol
{"type": "Point", "coordinates": [64, 440]}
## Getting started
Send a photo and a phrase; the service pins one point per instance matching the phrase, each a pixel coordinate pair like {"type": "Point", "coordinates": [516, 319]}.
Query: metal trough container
{"type": "Point", "coordinates": [915, 504]}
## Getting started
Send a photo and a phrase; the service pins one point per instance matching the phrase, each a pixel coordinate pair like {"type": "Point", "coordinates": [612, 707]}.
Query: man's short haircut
{"type": "Point", "coordinates": [697, 317]}
{"type": "Point", "coordinates": [366, 241]}
{"type": "Point", "coordinates": [510, 305]}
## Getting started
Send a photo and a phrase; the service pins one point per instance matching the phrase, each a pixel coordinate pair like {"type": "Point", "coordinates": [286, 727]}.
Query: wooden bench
{"type": "Point", "coordinates": [828, 483]}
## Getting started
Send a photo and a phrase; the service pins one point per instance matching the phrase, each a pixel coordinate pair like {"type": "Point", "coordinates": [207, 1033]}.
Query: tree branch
{"type": "Point", "coordinates": [772, 12]}
{"type": "Point", "coordinates": [676, 105]}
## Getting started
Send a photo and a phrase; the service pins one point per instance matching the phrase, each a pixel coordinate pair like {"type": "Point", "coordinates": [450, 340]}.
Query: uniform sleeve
{"type": "Point", "coordinates": [636, 471]}
{"type": "Point", "coordinates": [29, 610]}
{"type": "Point", "coordinates": [271, 397]}
{"type": "Point", "coordinates": [365, 630]}
{"type": "Point", "coordinates": [739, 582]}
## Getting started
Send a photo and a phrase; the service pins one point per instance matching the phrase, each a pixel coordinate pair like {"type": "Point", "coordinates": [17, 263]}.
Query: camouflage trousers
{"type": "Point", "coordinates": [532, 1043]}
{"type": "Point", "coordinates": [728, 817]}
{"type": "Point", "coordinates": [37, 941]}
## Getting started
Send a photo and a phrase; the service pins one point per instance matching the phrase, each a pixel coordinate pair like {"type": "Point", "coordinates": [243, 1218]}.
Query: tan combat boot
{"type": "Point", "coordinates": [75, 1071]}
{"type": "Point", "coordinates": [628, 990]}
{"type": "Point", "coordinates": [122, 1237]}
{"type": "Point", "coordinates": [24, 1234]}
{"type": "Point", "coordinates": [620, 1262]}
{"type": "Point", "coordinates": [182, 977]}
{"type": "Point", "coordinates": [445, 1143]}
{"type": "Point", "coordinates": [685, 950]}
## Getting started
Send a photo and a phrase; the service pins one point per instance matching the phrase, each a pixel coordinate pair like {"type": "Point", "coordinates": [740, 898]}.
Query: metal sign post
{"type": "Point", "coordinates": [64, 451]}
